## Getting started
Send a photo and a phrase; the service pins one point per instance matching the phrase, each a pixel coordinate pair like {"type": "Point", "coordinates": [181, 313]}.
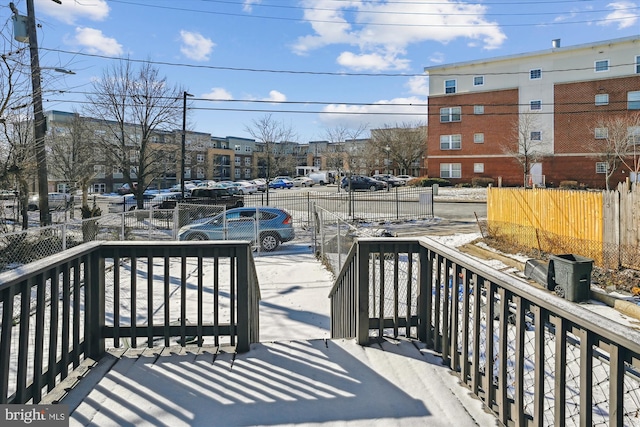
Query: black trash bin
{"type": "Point", "coordinates": [570, 276]}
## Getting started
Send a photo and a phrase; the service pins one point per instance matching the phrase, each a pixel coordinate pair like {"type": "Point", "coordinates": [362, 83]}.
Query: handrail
{"type": "Point", "coordinates": [59, 311]}
{"type": "Point", "coordinates": [532, 357]}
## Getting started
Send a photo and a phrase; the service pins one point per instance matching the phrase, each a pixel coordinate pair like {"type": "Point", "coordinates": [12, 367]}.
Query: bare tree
{"type": "Point", "coordinates": [404, 144]}
{"type": "Point", "coordinates": [343, 155]}
{"type": "Point", "coordinates": [17, 154]}
{"type": "Point", "coordinates": [73, 154]}
{"type": "Point", "coordinates": [616, 141]}
{"type": "Point", "coordinates": [271, 133]}
{"type": "Point", "coordinates": [525, 144]}
{"type": "Point", "coordinates": [131, 106]}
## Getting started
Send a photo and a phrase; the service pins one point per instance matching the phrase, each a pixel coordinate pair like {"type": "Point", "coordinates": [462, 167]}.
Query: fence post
{"type": "Point", "coordinates": [64, 236]}
{"type": "Point", "coordinates": [397, 205]}
{"type": "Point", "coordinates": [243, 329]}
{"type": "Point", "coordinates": [362, 298]}
{"type": "Point", "coordinates": [95, 302]}
{"type": "Point", "coordinates": [176, 222]}
{"type": "Point", "coordinates": [339, 245]}
{"type": "Point", "coordinates": [122, 215]}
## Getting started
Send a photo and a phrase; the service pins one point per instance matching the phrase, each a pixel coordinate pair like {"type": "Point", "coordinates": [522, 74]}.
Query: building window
{"type": "Point", "coordinates": [638, 64]}
{"type": "Point", "coordinates": [602, 99]}
{"type": "Point", "coordinates": [237, 148]}
{"type": "Point", "coordinates": [200, 158]}
{"type": "Point", "coordinates": [451, 114]}
{"type": "Point", "coordinates": [99, 171]}
{"type": "Point", "coordinates": [449, 86]}
{"type": "Point", "coordinates": [187, 159]}
{"type": "Point", "coordinates": [478, 109]}
{"type": "Point", "coordinates": [601, 133]}
{"type": "Point", "coordinates": [536, 136]}
{"type": "Point", "coordinates": [478, 138]}
{"type": "Point", "coordinates": [478, 81]}
{"type": "Point", "coordinates": [633, 100]}
{"type": "Point", "coordinates": [601, 66]}
{"type": "Point", "coordinates": [237, 161]}
{"type": "Point", "coordinates": [187, 172]}
{"type": "Point", "coordinates": [601, 167]}
{"type": "Point", "coordinates": [478, 167]}
{"type": "Point", "coordinates": [247, 161]}
{"type": "Point", "coordinates": [535, 105]}
{"type": "Point", "coordinates": [450, 142]}
{"type": "Point", "coordinates": [247, 173]}
{"type": "Point", "coordinates": [116, 172]}
{"type": "Point", "coordinates": [535, 74]}
{"type": "Point", "coordinates": [634, 134]}
{"type": "Point", "coordinates": [200, 173]}
{"type": "Point", "coordinates": [450, 170]}
{"type": "Point", "coordinates": [237, 172]}
{"type": "Point", "coordinates": [247, 149]}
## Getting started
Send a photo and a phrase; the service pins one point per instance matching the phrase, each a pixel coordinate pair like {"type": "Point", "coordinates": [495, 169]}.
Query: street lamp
{"type": "Point", "coordinates": [184, 131]}
{"type": "Point", "coordinates": [387, 149]}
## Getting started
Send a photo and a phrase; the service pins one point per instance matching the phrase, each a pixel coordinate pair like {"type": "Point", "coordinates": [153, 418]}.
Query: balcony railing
{"type": "Point", "coordinates": [530, 356]}
{"type": "Point", "coordinates": [63, 310]}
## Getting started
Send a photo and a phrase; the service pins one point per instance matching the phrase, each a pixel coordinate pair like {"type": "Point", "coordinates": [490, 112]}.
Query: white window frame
{"type": "Point", "coordinates": [601, 133]}
{"type": "Point", "coordinates": [478, 138]}
{"type": "Point", "coordinates": [478, 80]}
{"type": "Point", "coordinates": [247, 149]}
{"type": "Point", "coordinates": [535, 105]}
{"type": "Point", "coordinates": [598, 66]}
{"type": "Point", "coordinates": [448, 88]}
{"type": "Point", "coordinates": [237, 161]}
{"type": "Point", "coordinates": [478, 168]}
{"type": "Point", "coordinates": [537, 134]}
{"type": "Point", "coordinates": [601, 167]}
{"type": "Point", "coordinates": [200, 158]}
{"type": "Point", "coordinates": [451, 142]}
{"type": "Point", "coordinates": [601, 99]}
{"type": "Point", "coordinates": [187, 172]}
{"type": "Point", "coordinates": [238, 172]}
{"type": "Point", "coordinates": [638, 64]}
{"type": "Point", "coordinates": [451, 170]}
{"type": "Point", "coordinates": [247, 161]}
{"type": "Point", "coordinates": [535, 74]}
{"type": "Point", "coordinates": [236, 148]}
{"type": "Point", "coordinates": [450, 114]}
{"type": "Point", "coordinates": [634, 135]}
{"type": "Point", "coordinates": [478, 109]}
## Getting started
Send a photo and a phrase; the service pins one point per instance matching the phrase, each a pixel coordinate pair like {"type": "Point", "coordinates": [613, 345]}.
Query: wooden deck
{"type": "Point", "coordinates": [315, 382]}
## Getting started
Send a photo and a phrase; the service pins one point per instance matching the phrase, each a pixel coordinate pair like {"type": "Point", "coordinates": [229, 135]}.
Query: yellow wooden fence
{"type": "Point", "coordinates": [550, 220]}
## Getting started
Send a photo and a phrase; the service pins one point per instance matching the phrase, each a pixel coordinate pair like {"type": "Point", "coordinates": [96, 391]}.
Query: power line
{"type": "Point", "coordinates": [323, 73]}
{"type": "Point", "coordinates": [342, 22]}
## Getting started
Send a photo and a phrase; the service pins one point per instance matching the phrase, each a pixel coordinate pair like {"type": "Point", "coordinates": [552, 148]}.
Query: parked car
{"type": "Point", "coordinates": [405, 178]}
{"type": "Point", "coordinates": [245, 187]}
{"type": "Point", "coordinates": [275, 226]}
{"type": "Point", "coordinates": [128, 202]}
{"type": "Point", "coordinates": [323, 177]}
{"type": "Point", "coordinates": [389, 179]}
{"type": "Point", "coordinates": [361, 182]}
{"type": "Point", "coordinates": [260, 183]}
{"type": "Point", "coordinates": [126, 188]}
{"type": "Point", "coordinates": [281, 183]}
{"type": "Point", "coordinates": [303, 181]}
{"type": "Point", "coordinates": [57, 201]}
{"type": "Point", "coordinates": [208, 196]}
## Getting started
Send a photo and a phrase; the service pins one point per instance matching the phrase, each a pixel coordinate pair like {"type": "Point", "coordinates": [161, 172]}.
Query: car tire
{"type": "Point", "coordinates": [269, 241]}
{"type": "Point", "coordinates": [373, 188]}
{"type": "Point", "coordinates": [196, 237]}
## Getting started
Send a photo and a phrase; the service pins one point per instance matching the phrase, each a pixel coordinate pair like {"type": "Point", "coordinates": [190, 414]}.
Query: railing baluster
{"type": "Point", "coordinates": [52, 369]}
{"type": "Point", "coordinates": [150, 306]}
{"type": "Point", "coordinates": [520, 324]}
{"type": "Point", "coordinates": [503, 340]}
{"type": "Point", "coordinates": [560, 390]}
{"type": "Point", "coordinates": [586, 378]}
{"type": "Point", "coordinates": [165, 297]}
{"type": "Point", "coordinates": [133, 299]}
{"type": "Point", "coordinates": [7, 296]}
{"type": "Point", "coordinates": [23, 344]}
{"type": "Point", "coordinates": [38, 358]}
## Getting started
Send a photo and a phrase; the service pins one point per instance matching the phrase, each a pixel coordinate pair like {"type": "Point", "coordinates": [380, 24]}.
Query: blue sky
{"type": "Point", "coordinates": [319, 57]}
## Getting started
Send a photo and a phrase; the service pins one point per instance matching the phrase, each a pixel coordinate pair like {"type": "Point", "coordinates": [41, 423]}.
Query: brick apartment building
{"type": "Point", "coordinates": [484, 114]}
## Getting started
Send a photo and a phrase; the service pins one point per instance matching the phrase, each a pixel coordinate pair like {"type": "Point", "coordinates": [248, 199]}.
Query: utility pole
{"type": "Point", "coordinates": [40, 126]}
{"type": "Point", "coordinates": [184, 132]}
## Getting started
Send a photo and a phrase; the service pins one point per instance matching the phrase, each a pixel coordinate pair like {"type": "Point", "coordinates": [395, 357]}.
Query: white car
{"type": "Point", "coordinates": [405, 178]}
{"type": "Point", "coordinates": [303, 181]}
{"type": "Point", "coordinates": [246, 187]}
{"type": "Point", "coordinates": [128, 202]}
{"type": "Point", "coordinates": [56, 201]}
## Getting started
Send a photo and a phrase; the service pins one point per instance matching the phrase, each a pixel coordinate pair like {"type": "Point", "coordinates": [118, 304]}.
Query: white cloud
{"type": "Point", "coordinates": [70, 11]}
{"type": "Point", "coordinates": [247, 5]}
{"type": "Point", "coordinates": [623, 15]}
{"type": "Point", "coordinates": [218, 93]}
{"type": "Point", "coordinates": [385, 113]}
{"type": "Point", "coordinates": [419, 85]}
{"type": "Point", "coordinates": [383, 30]}
{"type": "Point", "coordinates": [436, 58]}
{"type": "Point", "coordinates": [195, 46]}
{"type": "Point", "coordinates": [372, 61]}
{"type": "Point", "coordinates": [276, 96]}
{"type": "Point", "coordinates": [95, 42]}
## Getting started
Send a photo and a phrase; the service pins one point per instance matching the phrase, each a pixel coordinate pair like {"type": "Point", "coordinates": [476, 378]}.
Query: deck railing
{"type": "Point", "coordinates": [65, 309]}
{"type": "Point", "coordinates": [530, 356]}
